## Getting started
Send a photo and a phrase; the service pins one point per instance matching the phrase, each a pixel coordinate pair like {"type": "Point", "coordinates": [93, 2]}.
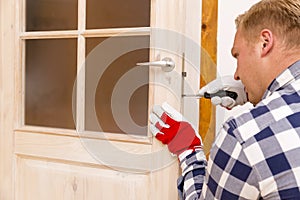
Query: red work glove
{"type": "Point", "coordinates": [171, 128]}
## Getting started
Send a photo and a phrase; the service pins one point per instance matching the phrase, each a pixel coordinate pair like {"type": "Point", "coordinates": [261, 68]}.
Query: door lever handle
{"type": "Point", "coordinates": [166, 64]}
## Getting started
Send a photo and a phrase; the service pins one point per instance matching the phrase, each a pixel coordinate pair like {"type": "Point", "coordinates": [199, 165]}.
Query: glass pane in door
{"type": "Point", "coordinates": [50, 74]}
{"type": "Point", "coordinates": [50, 15]}
{"type": "Point", "coordinates": [116, 89]}
{"type": "Point", "coordinates": [117, 13]}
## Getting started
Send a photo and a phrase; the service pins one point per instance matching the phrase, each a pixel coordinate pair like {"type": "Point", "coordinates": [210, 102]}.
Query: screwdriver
{"type": "Point", "coordinates": [220, 93]}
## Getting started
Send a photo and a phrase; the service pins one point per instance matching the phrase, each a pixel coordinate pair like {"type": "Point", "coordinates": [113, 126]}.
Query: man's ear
{"type": "Point", "coordinates": [266, 40]}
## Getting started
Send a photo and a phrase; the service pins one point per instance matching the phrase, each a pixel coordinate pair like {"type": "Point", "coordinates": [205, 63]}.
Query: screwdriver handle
{"type": "Point", "coordinates": [221, 93]}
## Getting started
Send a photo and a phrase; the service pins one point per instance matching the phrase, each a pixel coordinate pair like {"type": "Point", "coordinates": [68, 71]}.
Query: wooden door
{"type": "Point", "coordinates": [74, 104]}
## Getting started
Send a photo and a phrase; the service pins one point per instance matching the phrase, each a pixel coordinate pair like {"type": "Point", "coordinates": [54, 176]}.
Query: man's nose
{"type": "Point", "coordinates": [236, 76]}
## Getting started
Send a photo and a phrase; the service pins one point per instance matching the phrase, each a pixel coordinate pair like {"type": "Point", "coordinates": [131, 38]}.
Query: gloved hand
{"type": "Point", "coordinates": [225, 83]}
{"type": "Point", "coordinates": [171, 128]}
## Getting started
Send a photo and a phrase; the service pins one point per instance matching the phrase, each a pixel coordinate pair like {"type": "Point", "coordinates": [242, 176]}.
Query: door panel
{"type": "Point", "coordinates": [53, 180]}
{"type": "Point", "coordinates": [7, 98]}
{"type": "Point", "coordinates": [59, 161]}
{"type": "Point", "coordinates": [71, 148]}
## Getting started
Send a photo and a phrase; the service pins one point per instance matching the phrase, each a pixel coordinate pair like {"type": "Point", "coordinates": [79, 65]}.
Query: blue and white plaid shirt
{"type": "Point", "coordinates": [256, 155]}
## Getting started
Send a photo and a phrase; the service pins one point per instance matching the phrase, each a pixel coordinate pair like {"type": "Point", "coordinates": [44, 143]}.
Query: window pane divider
{"type": "Point", "coordinates": [80, 80]}
{"type": "Point", "coordinates": [49, 34]}
{"type": "Point", "coordinates": [139, 31]}
{"type": "Point", "coordinates": [80, 84]}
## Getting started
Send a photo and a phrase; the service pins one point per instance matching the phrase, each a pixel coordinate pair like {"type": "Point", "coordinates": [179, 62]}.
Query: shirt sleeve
{"type": "Point", "coordinates": [193, 171]}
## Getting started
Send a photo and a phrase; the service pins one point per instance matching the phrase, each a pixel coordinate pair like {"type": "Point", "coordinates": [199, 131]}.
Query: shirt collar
{"type": "Point", "coordinates": [289, 75]}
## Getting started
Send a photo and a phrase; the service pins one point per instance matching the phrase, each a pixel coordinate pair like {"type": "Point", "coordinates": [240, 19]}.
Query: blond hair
{"type": "Point", "coordinates": [282, 17]}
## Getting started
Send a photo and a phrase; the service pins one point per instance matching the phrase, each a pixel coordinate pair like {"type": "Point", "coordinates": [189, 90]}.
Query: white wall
{"type": "Point", "coordinates": [228, 11]}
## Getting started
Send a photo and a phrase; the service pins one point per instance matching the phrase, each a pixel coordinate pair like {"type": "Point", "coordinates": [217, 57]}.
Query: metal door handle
{"type": "Point", "coordinates": [166, 64]}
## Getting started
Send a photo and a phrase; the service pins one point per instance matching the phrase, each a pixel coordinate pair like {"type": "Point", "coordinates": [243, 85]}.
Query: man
{"type": "Point", "coordinates": [256, 154]}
